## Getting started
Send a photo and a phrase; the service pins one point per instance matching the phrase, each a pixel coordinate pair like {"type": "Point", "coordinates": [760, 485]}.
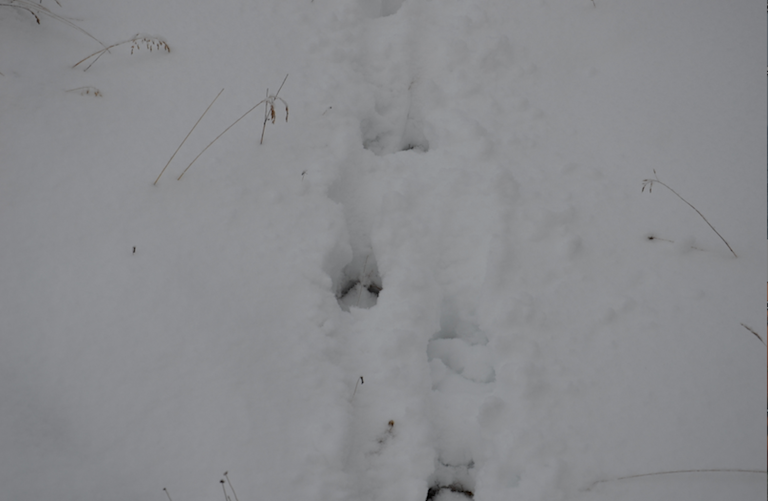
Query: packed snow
{"type": "Point", "coordinates": [438, 280]}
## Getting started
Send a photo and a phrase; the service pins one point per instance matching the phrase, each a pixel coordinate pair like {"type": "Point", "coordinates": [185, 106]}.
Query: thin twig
{"type": "Point", "coordinates": [190, 132]}
{"type": "Point", "coordinates": [264, 126]}
{"type": "Point", "coordinates": [271, 101]}
{"type": "Point", "coordinates": [649, 183]}
{"type": "Point", "coordinates": [753, 332]}
{"type": "Point", "coordinates": [32, 7]}
{"type": "Point", "coordinates": [217, 137]}
{"type": "Point", "coordinates": [226, 498]}
{"type": "Point", "coordinates": [226, 475]}
{"type": "Point", "coordinates": [359, 381]}
{"type": "Point", "coordinates": [167, 494]}
{"type": "Point", "coordinates": [670, 473]}
{"type": "Point", "coordinates": [136, 40]}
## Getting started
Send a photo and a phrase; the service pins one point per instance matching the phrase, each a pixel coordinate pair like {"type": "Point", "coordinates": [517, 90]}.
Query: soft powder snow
{"type": "Point", "coordinates": [439, 279]}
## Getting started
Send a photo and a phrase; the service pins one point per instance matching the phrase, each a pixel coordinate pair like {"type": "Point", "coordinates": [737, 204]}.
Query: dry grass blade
{"type": "Point", "coordinates": [22, 8]}
{"type": "Point", "coordinates": [226, 475]}
{"type": "Point", "coordinates": [87, 90]}
{"type": "Point", "coordinates": [36, 9]}
{"type": "Point", "coordinates": [217, 137]}
{"type": "Point", "coordinates": [671, 473]}
{"type": "Point", "coordinates": [649, 183]}
{"type": "Point", "coordinates": [151, 42]}
{"type": "Point", "coordinates": [269, 103]}
{"type": "Point", "coordinates": [270, 106]}
{"type": "Point", "coordinates": [753, 332]}
{"type": "Point", "coordinates": [188, 134]}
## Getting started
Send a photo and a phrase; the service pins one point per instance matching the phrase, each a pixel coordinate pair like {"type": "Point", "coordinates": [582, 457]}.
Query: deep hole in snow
{"type": "Point", "coordinates": [360, 284]}
{"type": "Point", "coordinates": [436, 491]}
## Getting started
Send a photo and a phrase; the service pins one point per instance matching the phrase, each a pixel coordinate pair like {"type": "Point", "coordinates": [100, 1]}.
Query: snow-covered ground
{"type": "Point", "coordinates": [439, 279]}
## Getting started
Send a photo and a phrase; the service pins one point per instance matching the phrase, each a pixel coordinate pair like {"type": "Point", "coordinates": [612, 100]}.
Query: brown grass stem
{"type": "Point", "coordinates": [270, 105]}
{"type": "Point", "coordinates": [226, 475]}
{"type": "Point", "coordinates": [217, 137]}
{"type": "Point", "coordinates": [226, 498]}
{"type": "Point", "coordinates": [671, 473]}
{"type": "Point", "coordinates": [150, 42]}
{"type": "Point", "coordinates": [753, 332]}
{"type": "Point", "coordinates": [649, 184]}
{"type": "Point", "coordinates": [188, 134]}
{"type": "Point", "coordinates": [35, 9]}
{"type": "Point", "coordinates": [264, 126]}
{"type": "Point", "coordinates": [270, 100]}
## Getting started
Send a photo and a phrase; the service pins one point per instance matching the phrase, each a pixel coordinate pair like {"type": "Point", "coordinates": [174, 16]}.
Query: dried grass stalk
{"type": "Point", "coordinates": [649, 184]}
{"type": "Point", "coordinates": [188, 134]}
{"type": "Point", "coordinates": [269, 103]}
{"type": "Point", "coordinates": [139, 39]}
{"type": "Point", "coordinates": [722, 470]}
{"type": "Point", "coordinates": [35, 9]}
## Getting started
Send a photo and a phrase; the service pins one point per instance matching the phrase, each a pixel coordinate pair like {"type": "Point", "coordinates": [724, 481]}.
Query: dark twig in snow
{"type": "Point", "coordinates": [270, 100]}
{"type": "Point", "coordinates": [190, 132]}
{"type": "Point", "coordinates": [753, 332]}
{"type": "Point", "coordinates": [226, 498]}
{"type": "Point", "coordinates": [670, 473]}
{"type": "Point", "coordinates": [226, 475]}
{"type": "Point", "coordinates": [649, 184]}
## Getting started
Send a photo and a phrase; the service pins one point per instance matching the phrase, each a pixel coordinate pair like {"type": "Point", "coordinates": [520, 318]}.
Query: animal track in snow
{"type": "Point", "coordinates": [359, 286]}
{"type": "Point", "coordinates": [383, 136]}
{"type": "Point", "coordinates": [452, 482]}
{"type": "Point", "coordinates": [462, 376]}
{"type": "Point", "coordinates": [466, 355]}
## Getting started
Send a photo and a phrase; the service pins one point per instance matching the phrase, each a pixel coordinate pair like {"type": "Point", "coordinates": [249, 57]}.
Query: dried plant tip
{"type": "Point", "coordinates": [135, 41]}
{"type": "Point", "coordinates": [753, 332]}
{"type": "Point", "coordinates": [36, 8]}
{"type": "Point", "coordinates": [87, 90]}
{"type": "Point", "coordinates": [675, 472]}
{"type": "Point", "coordinates": [188, 133]}
{"type": "Point", "coordinates": [167, 494]}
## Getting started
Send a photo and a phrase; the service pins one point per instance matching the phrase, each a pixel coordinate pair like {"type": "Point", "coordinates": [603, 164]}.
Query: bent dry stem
{"type": "Point", "coordinates": [675, 472]}
{"type": "Point", "coordinates": [190, 132]}
{"type": "Point", "coordinates": [649, 184]}
{"type": "Point", "coordinates": [269, 103]}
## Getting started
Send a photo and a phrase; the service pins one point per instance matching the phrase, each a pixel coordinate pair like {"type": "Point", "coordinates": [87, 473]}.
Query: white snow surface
{"type": "Point", "coordinates": [480, 162]}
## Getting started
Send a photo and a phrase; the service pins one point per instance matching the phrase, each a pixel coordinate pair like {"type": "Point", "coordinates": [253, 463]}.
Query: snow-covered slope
{"type": "Point", "coordinates": [438, 280]}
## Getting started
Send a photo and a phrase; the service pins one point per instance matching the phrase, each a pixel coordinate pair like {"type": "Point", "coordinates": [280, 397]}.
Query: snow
{"type": "Point", "coordinates": [439, 277]}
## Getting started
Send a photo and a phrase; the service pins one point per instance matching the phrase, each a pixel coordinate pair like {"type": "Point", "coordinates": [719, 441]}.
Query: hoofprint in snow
{"type": "Point", "coordinates": [435, 282]}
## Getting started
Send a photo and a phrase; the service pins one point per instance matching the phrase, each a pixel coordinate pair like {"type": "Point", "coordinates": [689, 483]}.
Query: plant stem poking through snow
{"type": "Point", "coordinates": [670, 473]}
{"type": "Point", "coordinates": [269, 105]}
{"type": "Point", "coordinates": [226, 475]}
{"type": "Point", "coordinates": [226, 498]}
{"type": "Point", "coordinates": [167, 494]}
{"type": "Point", "coordinates": [649, 184]}
{"type": "Point", "coordinates": [36, 9]}
{"type": "Point", "coordinates": [753, 332]}
{"type": "Point", "coordinates": [185, 139]}
{"type": "Point", "coordinates": [151, 43]}
{"type": "Point", "coordinates": [86, 90]}
{"type": "Point", "coordinates": [359, 381]}
{"type": "Point", "coordinates": [267, 100]}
